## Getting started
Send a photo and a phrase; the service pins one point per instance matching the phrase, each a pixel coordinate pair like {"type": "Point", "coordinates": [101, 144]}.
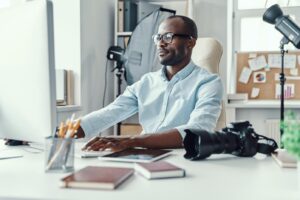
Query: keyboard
{"type": "Point", "coordinates": [10, 153]}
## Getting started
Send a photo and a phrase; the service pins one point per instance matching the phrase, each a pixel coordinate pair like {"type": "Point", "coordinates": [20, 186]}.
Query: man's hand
{"type": "Point", "coordinates": [164, 140]}
{"type": "Point", "coordinates": [113, 143]}
{"type": "Point", "coordinates": [79, 133]}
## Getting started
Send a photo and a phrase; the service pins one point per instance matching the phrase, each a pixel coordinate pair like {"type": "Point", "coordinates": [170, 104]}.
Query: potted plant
{"type": "Point", "coordinates": [291, 138]}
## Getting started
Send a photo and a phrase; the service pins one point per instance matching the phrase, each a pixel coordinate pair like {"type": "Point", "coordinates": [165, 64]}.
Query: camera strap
{"type": "Point", "coordinates": [265, 145]}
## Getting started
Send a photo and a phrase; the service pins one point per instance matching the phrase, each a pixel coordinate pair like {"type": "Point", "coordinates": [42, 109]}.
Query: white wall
{"type": "Point", "coordinates": [67, 40]}
{"type": "Point", "coordinates": [83, 32]}
{"type": "Point", "coordinates": [211, 19]}
{"type": "Point", "coordinates": [97, 34]}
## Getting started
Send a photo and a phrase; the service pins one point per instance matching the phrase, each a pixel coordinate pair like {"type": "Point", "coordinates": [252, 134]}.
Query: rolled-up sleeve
{"type": "Point", "coordinates": [207, 108]}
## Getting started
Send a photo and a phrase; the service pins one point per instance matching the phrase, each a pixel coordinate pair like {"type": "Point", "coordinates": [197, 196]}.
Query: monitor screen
{"type": "Point", "coordinates": [27, 71]}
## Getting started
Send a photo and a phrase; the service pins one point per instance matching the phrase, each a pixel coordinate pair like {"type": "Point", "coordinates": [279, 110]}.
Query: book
{"type": "Point", "coordinates": [237, 96]}
{"type": "Point", "coordinates": [94, 177]}
{"type": "Point", "coordinates": [120, 16]}
{"type": "Point", "coordinates": [160, 169]}
{"type": "Point", "coordinates": [64, 87]}
{"type": "Point", "coordinates": [70, 87]}
{"type": "Point", "coordinates": [284, 159]}
{"type": "Point", "coordinates": [61, 87]}
{"type": "Point", "coordinates": [130, 15]}
{"type": "Point", "coordinates": [126, 41]}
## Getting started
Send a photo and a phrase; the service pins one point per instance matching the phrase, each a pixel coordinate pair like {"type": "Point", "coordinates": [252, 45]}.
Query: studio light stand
{"type": "Point", "coordinates": [120, 71]}
{"type": "Point", "coordinates": [282, 79]}
{"type": "Point", "coordinates": [116, 53]}
{"type": "Point", "coordinates": [291, 32]}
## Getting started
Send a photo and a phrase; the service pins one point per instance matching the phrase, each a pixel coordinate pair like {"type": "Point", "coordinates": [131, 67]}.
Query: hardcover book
{"type": "Point", "coordinates": [161, 169]}
{"type": "Point", "coordinates": [94, 177]}
{"type": "Point", "coordinates": [130, 15]}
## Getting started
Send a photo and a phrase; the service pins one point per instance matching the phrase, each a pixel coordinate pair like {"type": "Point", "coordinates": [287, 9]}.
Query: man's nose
{"type": "Point", "coordinates": [161, 43]}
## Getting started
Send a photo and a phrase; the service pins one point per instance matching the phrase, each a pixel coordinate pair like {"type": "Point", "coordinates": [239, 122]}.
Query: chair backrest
{"type": "Point", "coordinates": [207, 54]}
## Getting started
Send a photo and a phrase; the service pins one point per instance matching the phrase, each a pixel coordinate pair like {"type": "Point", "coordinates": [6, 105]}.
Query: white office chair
{"type": "Point", "coordinates": [207, 54]}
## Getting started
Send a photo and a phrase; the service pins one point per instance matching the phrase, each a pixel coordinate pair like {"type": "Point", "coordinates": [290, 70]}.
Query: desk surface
{"type": "Point", "coordinates": [219, 177]}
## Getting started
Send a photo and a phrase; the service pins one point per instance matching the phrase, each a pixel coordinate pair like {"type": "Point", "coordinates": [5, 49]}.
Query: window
{"type": "Point", "coordinates": [251, 33]}
{"type": "Point", "coordinates": [262, 4]}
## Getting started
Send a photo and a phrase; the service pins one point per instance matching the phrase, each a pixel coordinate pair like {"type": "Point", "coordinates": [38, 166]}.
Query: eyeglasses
{"type": "Point", "coordinates": [168, 37]}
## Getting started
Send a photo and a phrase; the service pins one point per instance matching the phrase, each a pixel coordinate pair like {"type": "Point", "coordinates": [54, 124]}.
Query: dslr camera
{"type": "Point", "coordinates": [238, 138]}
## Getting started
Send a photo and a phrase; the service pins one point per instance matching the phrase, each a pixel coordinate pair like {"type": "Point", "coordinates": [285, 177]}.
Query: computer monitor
{"type": "Point", "coordinates": [27, 71]}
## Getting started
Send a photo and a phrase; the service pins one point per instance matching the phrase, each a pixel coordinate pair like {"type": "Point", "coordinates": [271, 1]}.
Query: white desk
{"type": "Point", "coordinates": [220, 177]}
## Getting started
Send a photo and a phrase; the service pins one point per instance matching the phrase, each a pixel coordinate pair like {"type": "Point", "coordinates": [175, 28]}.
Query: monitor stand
{"type": "Point", "coordinates": [284, 159]}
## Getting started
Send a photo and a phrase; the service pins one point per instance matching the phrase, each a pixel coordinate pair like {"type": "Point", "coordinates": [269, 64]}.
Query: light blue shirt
{"type": "Point", "coordinates": [190, 100]}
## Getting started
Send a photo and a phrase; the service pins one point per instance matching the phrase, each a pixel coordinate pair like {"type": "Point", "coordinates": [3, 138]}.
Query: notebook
{"type": "Point", "coordinates": [284, 159]}
{"type": "Point", "coordinates": [160, 169]}
{"type": "Point", "coordinates": [137, 155]}
{"type": "Point", "coordinates": [95, 177]}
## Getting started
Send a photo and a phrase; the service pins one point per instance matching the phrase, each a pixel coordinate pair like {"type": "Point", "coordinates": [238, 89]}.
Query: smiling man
{"type": "Point", "coordinates": [179, 96]}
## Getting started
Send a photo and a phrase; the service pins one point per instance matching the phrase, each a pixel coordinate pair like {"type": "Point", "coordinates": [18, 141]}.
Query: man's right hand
{"type": "Point", "coordinates": [80, 133]}
{"type": "Point", "coordinates": [113, 143]}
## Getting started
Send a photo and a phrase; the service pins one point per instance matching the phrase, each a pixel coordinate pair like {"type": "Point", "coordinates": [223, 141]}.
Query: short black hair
{"type": "Point", "coordinates": [189, 25]}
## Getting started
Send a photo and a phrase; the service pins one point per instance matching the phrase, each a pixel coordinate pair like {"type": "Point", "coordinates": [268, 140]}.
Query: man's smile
{"type": "Point", "coordinates": [162, 52]}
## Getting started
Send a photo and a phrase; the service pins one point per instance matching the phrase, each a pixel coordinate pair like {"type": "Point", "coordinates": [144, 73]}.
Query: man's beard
{"type": "Point", "coordinates": [173, 60]}
{"type": "Point", "coordinates": [173, 57]}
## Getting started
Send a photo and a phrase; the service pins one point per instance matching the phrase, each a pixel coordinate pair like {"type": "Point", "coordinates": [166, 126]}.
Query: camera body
{"type": "Point", "coordinates": [238, 138]}
{"type": "Point", "coordinates": [248, 139]}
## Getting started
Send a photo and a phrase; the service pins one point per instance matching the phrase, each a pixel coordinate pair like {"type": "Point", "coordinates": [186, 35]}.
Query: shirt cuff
{"type": "Point", "coordinates": [181, 131]}
{"type": "Point", "coordinates": [86, 127]}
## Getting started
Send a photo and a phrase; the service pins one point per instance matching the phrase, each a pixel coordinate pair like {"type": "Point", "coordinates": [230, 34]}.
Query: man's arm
{"type": "Point", "coordinates": [123, 107]}
{"type": "Point", "coordinates": [163, 140]}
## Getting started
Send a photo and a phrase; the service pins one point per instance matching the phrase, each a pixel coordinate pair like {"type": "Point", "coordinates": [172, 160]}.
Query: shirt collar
{"type": "Point", "coordinates": [182, 73]}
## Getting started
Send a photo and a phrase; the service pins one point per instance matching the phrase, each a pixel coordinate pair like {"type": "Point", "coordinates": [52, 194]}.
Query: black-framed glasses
{"type": "Point", "coordinates": [168, 37]}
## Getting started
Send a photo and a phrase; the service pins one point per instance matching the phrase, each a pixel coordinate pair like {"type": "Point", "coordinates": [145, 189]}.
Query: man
{"type": "Point", "coordinates": [179, 96]}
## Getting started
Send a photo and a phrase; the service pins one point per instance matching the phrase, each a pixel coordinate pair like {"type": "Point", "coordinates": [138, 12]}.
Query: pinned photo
{"type": "Point", "coordinates": [259, 77]}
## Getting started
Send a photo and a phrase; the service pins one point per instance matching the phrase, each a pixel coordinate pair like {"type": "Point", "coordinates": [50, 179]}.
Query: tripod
{"type": "Point", "coordinates": [281, 155]}
{"type": "Point", "coordinates": [282, 79]}
{"type": "Point", "coordinates": [120, 70]}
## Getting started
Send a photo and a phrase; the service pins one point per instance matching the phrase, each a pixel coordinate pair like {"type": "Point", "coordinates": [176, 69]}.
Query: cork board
{"type": "Point", "coordinates": [268, 88]}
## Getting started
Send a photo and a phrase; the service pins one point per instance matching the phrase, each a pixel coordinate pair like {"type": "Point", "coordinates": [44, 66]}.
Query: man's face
{"type": "Point", "coordinates": [173, 53]}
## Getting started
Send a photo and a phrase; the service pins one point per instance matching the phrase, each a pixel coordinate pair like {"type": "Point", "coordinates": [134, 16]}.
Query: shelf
{"type": "Point", "coordinates": [68, 108]}
{"type": "Point", "coordinates": [150, 1]}
{"type": "Point", "coordinates": [124, 33]}
{"type": "Point", "coordinates": [264, 104]}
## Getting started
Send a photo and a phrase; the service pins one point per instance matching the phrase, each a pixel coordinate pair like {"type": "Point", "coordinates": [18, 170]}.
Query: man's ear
{"type": "Point", "coordinates": [191, 43]}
